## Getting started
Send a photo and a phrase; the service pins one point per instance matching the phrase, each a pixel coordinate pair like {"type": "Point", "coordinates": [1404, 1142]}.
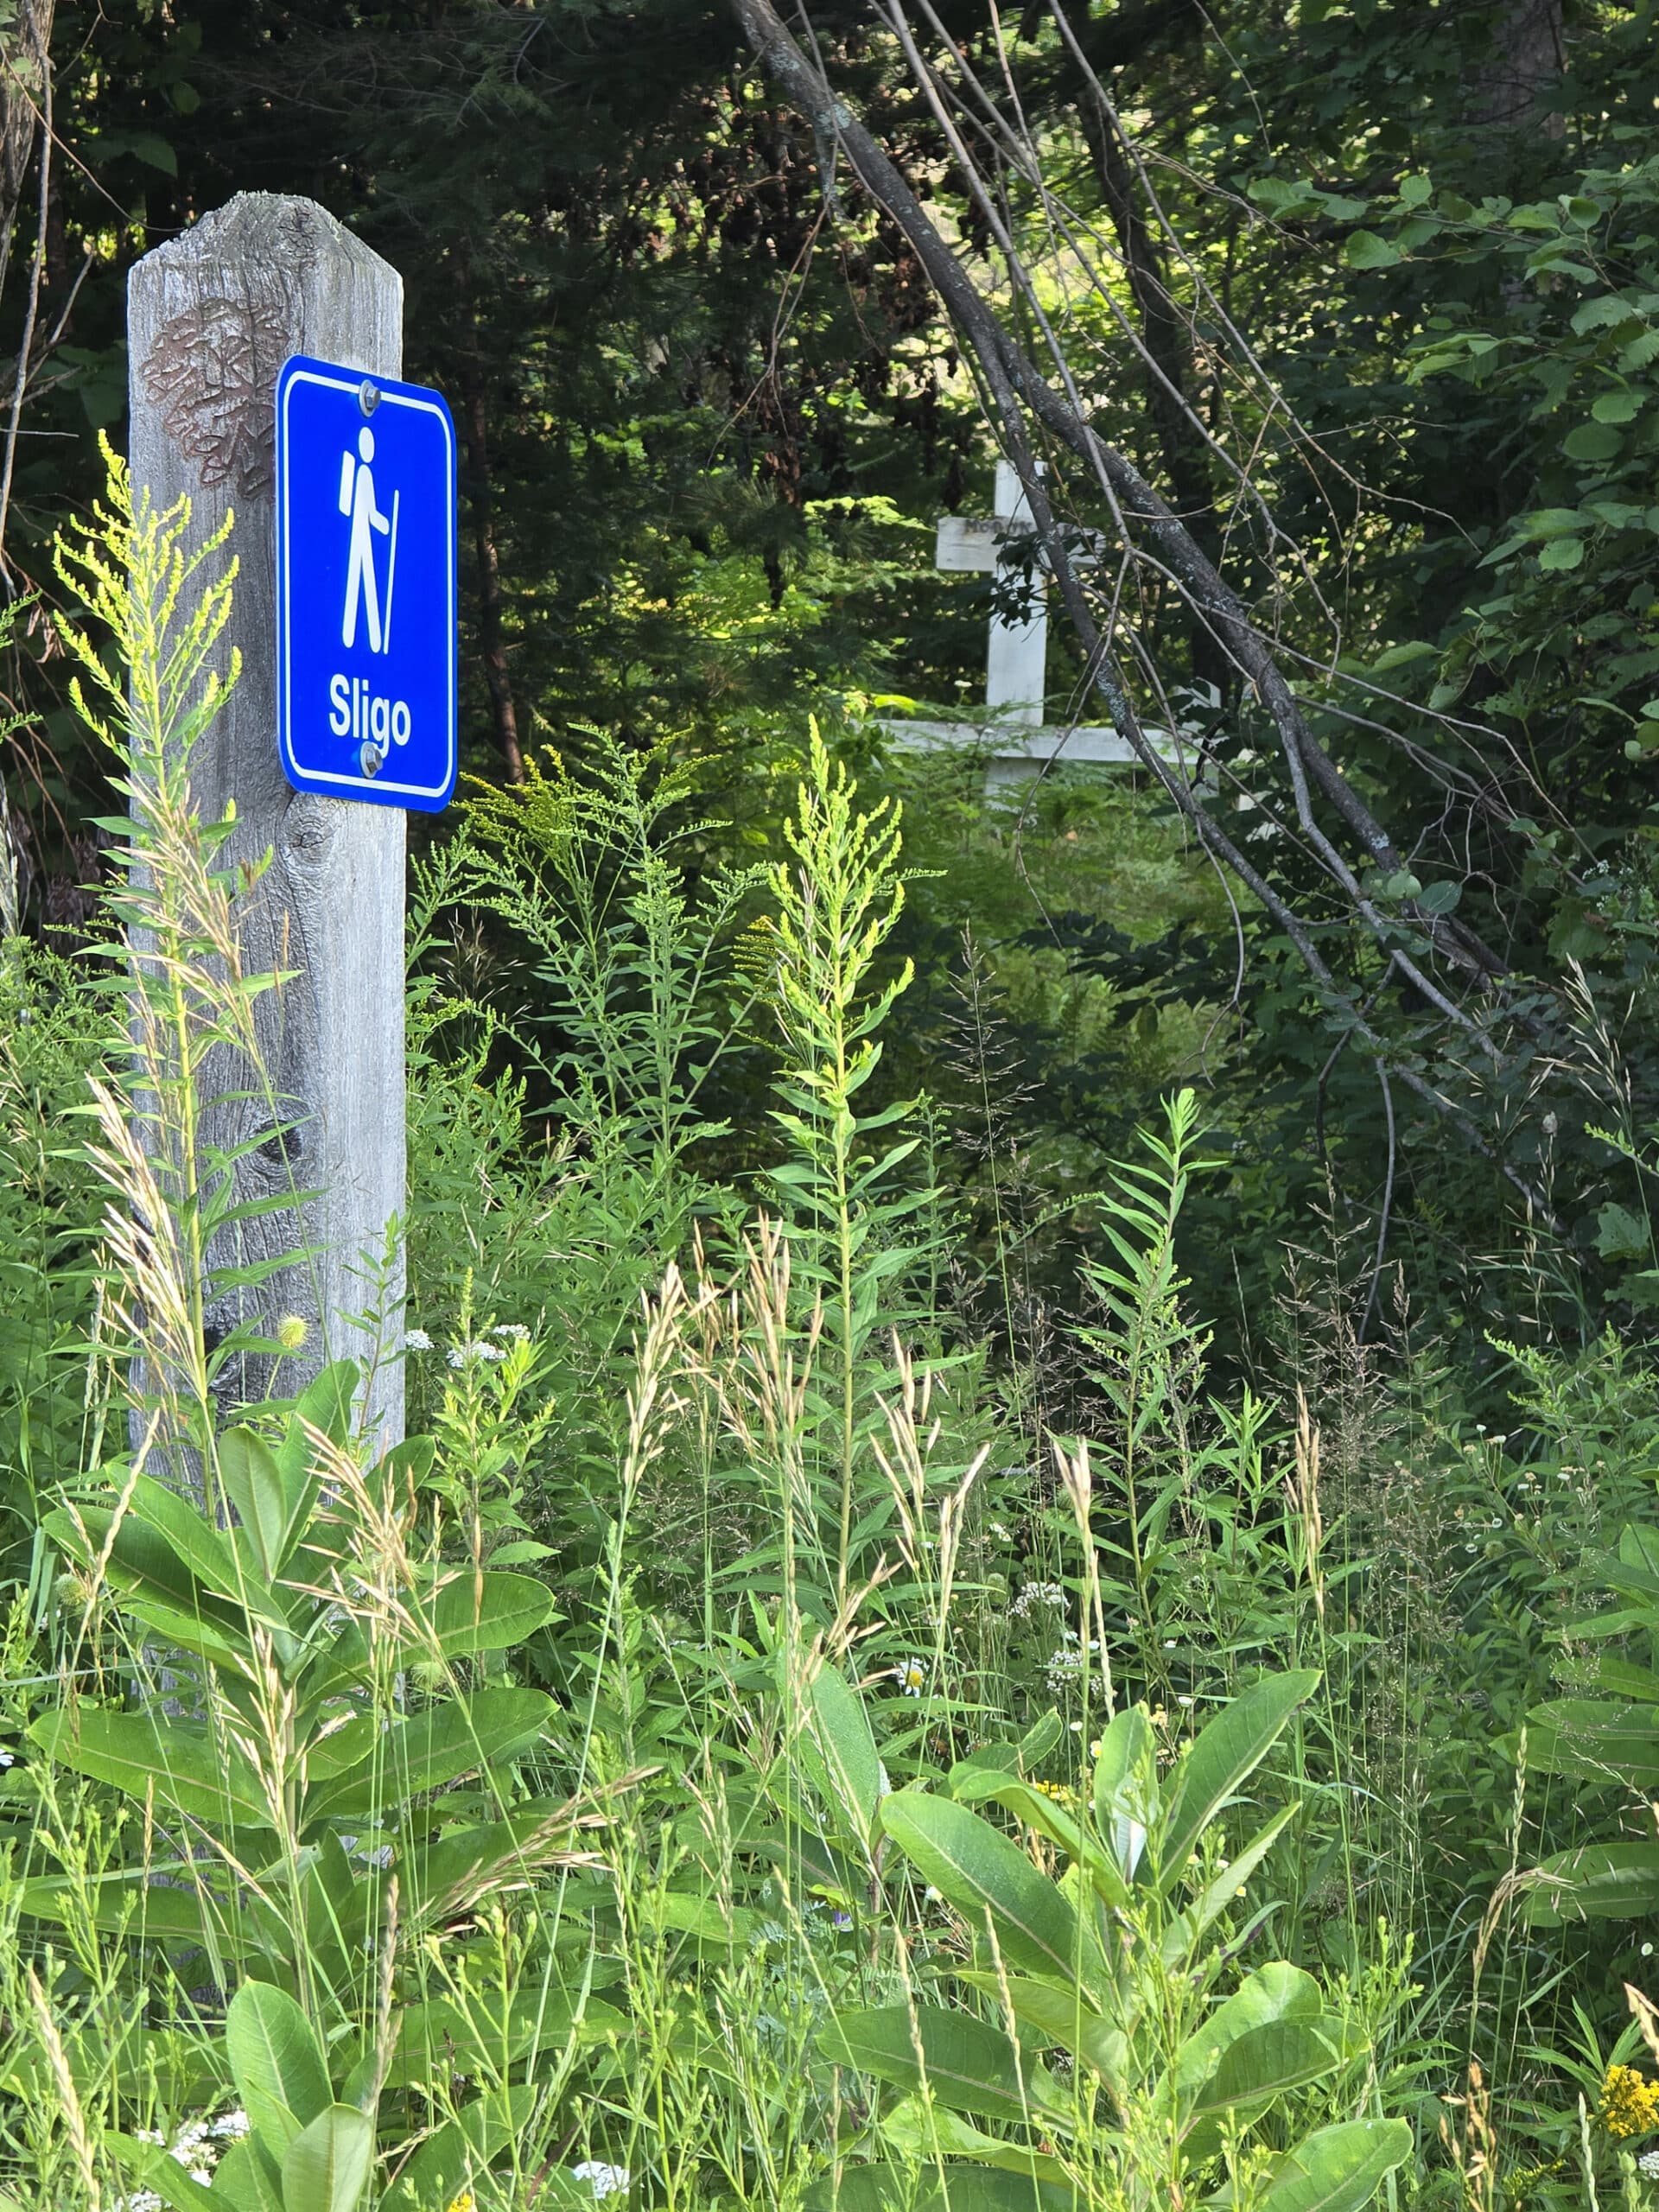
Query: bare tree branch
{"type": "Point", "coordinates": [1015, 386]}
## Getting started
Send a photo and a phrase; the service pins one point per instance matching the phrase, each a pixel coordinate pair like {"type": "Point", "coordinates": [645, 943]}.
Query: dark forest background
{"type": "Point", "coordinates": [711, 410]}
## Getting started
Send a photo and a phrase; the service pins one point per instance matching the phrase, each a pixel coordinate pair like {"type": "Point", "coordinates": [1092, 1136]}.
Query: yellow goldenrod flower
{"type": "Point", "coordinates": [465, 2203]}
{"type": "Point", "coordinates": [1629, 2104]}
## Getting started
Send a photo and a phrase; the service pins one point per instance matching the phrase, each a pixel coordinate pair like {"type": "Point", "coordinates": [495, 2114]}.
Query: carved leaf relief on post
{"type": "Point", "coordinates": [211, 373]}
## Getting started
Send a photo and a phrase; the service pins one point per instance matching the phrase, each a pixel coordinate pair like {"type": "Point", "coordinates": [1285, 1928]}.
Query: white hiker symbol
{"type": "Point", "coordinates": [357, 499]}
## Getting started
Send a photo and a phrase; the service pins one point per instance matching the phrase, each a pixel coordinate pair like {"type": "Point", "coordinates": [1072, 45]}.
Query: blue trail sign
{"type": "Point", "coordinates": [366, 587]}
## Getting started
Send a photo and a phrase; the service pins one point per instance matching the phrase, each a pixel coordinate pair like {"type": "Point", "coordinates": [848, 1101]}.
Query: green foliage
{"type": "Point", "coordinates": [849, 1218]}
{"type": "Point", "coordinates": [1606, 1735]}
{"type": "Point", "coordinates": [52, 1035]}
{"type": "Point", "coordinates": [1120, 1967]}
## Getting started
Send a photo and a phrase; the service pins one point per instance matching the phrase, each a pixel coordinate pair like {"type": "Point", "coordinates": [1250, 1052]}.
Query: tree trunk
{"type": "Point", "coordinates": [1527, 57]}
{"type": "Point", "coordinates": [24, 68]}
{"type": "Point", "coordinates": [481, 493]}
{"type": "Point", "coordinates": [1167, 366]}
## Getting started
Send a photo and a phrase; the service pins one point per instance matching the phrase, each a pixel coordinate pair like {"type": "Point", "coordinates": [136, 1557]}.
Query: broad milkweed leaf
{"type": "Point", "coordinates": [1595, 1740]}
{"type": "Point", "coordinates": [850, 1766]}
{"type": "Point", "coordinates": [135, 1753]}
{"type": "Point", "coordinates": [955, 2187]}
{"type": "Point", "coordinates": [326, 2168]}
{"type": "Point", "coordinates": [1039, 1811]}
{"type": "Point", "coordinates": [1221, 1760]}
{"type": "Point", "coordinates": [249, 2178]}
{"type": "Point", "coordinates": [132, 1905]}
{"type": "Point", "coordinates": [487, 1612]}
{"type": "Point", "coordinates": [276, 2061]}
{"type": "Point", "coordinates": [1257, 2068]}
{"type": "Point", "coordinates": [980, 1871]}
{"type": "Point", "coordinates": [928, 2131]}
{"type": "Point", "coordinates": [435, 1748]}
{"type": "Point", "coordinates": [1337, 2168]}
{"type": "Point", "coordinates": [253, 1483]}
{"type": "Point", "coordinates": [1275, 1992]}
{"type": "Point", "coordinates": [1595, 1881]}
{"type": "Point", "coordinates": [969, 2066]}
{"type": "Point", "coordinates": [1065, 2017]}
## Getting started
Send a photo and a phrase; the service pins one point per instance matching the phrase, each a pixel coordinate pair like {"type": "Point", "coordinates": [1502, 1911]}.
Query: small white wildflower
{"type": "Point", "coordinates": [516, 1330]}
{"type": "Point", "coordinates": [149, 2135]}
{"type": "Point", "coordinates": [910, 1677]}
{"type": "Point", "coordinates": [1169, 1643]}
{"type": "Point", "coordinates": [1648, 2162]}
{"type": "Point", "coordinates": [230, 2126]}
{"type": "Point", "coordinates": [479, 1351]}
{"type": "Point", "coordinates": [1038, 1593]}
{"type": "Point", "coordinates": [416, 1340]}
{"type": "Point", "coordinates": [7, 1759]}
{"type": "Point", "coordinates": [1184, 1700]}
{"type": "Point", "coordinates": [1646, 1950]}
{"type": "Point", "coordinates": [603, 2180]}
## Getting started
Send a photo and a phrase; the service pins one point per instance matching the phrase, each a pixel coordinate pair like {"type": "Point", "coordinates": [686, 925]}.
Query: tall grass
{"type": "Point", "coordinates": [740, 1752]}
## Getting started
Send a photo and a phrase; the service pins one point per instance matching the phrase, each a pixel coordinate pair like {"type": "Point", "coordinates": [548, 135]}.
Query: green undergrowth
{"type": "Point", "coordinates": [796, 1722]}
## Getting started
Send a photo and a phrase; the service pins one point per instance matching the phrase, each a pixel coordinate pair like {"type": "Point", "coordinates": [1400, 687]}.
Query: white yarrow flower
{"type": "Point", "coordinates": [416, 1340]}
{"type": "Point", "coordinates": [1649, 2162]}
{"type": "Point", "coordinates": [603, 2180]}
{"type": "Point", "coordinates": [479, 1351]}
{"type": "Point", "coordinates": [516, 1330]}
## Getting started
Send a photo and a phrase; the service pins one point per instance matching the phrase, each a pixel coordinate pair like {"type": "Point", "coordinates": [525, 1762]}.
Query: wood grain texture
{"type": "Point", "coordinates": [211, 317]}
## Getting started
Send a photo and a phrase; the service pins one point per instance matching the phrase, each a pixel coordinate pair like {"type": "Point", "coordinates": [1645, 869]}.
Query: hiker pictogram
{"type": "Point", "coordinates": [357, 499]}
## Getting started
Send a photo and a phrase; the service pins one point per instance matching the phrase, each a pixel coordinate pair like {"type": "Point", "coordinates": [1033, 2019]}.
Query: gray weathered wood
{"type": "Point", "coordinates": [211, 317]}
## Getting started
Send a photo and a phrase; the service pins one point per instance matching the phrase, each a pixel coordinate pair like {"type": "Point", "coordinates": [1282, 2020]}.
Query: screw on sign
{"type": "Point", "coordinates": [366, 587]}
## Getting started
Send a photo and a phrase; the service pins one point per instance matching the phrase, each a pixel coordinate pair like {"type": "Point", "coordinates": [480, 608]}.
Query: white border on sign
{"type": "Point", "coordinates": [388, 398]}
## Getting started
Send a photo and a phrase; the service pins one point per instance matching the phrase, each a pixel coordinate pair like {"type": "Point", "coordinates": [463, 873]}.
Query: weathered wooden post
{"type": "Point", "coordinates": [212, 316]}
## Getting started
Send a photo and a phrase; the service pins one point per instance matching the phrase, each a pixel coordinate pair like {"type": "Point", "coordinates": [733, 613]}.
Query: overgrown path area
{"type": "Point", "coordinates": [987, 1538]}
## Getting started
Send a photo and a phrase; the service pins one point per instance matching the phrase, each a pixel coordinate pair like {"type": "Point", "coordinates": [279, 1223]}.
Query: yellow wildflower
{"type": "Point", "coordinates": [1629, 2104]}
{"type": "Point", "coordinates": [465, 2203]}
{"type": "Point", "coordinates": [291, 1333]}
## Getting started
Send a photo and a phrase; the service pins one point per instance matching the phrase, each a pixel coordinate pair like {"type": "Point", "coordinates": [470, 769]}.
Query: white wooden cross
{"type": "Point", "coordinates": [1016, 740]}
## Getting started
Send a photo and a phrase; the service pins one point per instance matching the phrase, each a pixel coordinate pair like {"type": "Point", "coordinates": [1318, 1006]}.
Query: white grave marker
{"type": "Point", "coordinates": [1017, 740]}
